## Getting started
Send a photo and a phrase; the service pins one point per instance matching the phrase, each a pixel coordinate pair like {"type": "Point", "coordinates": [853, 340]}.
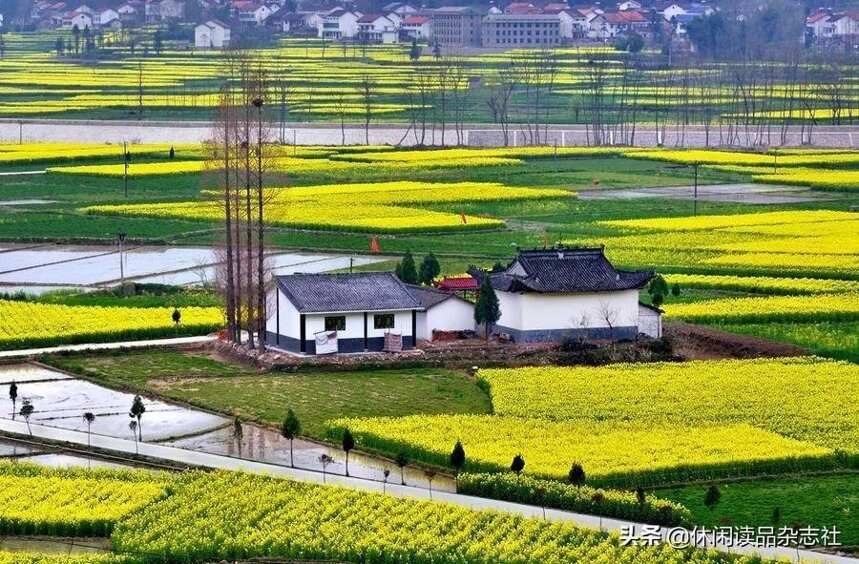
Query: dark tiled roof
{"type": "Point", "coordinates": [365, 291]}
{"type": "Point", "coordinates": [566, 270]}
{"type": "Point", "coordinates": [429, 297]}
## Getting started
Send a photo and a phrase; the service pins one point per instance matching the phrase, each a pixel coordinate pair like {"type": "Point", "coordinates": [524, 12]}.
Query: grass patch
{"type": "Point", "coordinates": [135, 369]}
{"type": "Point", "coordinates": [815, 501]}
{"type": "Point", "coordinates": [316, 397]}
{"type": "Point", "coordinates": [832, 339]}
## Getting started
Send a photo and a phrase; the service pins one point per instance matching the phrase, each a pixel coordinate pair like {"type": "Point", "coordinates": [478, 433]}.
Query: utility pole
{"type": "Point", "coordinates": [121, 237]}
{"type": "Point", "coordinates": [125, 160]}
{"type": "Point", "coordinates": [20, 132]}
{"type": "Point", "coordinates": [695, 194]}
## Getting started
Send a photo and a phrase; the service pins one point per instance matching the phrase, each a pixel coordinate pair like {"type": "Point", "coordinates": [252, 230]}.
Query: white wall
{"type": "Point", "coordinates": [290, 324]}
{"type": "Point", "coordinates": [452, 314]}
{"type": "Point", "coordinates": [532, 311]}
{"type": "Point", "coordinates": [355, 324]}
{"type": "Point", "coordinates": [348, 25]}
{"type": "Point", "coordinates": [566, 29]}
{"type": "Point", "coordinates": [511, 309]}
{"type": "Point", "coordinates": [649, 322]}
{"type": "Point", "coordinates": [206, 37]}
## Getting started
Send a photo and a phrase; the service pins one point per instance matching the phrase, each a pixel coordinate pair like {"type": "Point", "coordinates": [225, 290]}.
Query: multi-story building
{"type": "Point", "coordinates": [457, 26]}
{"type": "Point", "coordinates": [338, 24]}
{"type": "Point", "coordinates": [525, 30]}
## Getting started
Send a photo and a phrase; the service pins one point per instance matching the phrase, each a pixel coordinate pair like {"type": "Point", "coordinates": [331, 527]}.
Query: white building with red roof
{"type": "Point", "coordinates": [416, 27]}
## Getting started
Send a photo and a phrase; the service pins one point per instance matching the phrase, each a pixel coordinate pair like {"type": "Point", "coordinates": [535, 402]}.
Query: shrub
{"type": "Point", "coordinates": [583, 499]}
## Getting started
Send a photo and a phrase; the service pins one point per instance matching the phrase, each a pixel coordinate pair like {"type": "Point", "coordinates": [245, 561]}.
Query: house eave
{"type": "Point", "coordinates": [335, 312]}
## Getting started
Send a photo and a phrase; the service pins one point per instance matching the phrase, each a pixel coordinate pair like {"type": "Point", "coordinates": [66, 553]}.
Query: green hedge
{"type": "Point", "coordinates": [583, 499]}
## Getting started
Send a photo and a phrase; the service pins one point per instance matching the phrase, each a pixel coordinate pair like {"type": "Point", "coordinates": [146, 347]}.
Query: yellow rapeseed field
{"type": "Point", "coordinates": [613, 453]}
{"type": "Point", "coordinates": [28, 324]}
{"type": "Point", "coordinates": [808, 399]}
{"type": "Point", "coordinates": [381, 207]}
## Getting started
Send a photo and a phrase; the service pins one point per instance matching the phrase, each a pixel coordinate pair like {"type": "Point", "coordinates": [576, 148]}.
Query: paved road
{"type": "Point", "coordinates": [24, 353]}
{"type": "Point", "coordinates": [206, 460]}
{"type": "Point", "coordinates": [330, 134]}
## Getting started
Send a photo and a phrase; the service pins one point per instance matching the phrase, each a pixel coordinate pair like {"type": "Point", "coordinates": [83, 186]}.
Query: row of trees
{"type": "Point", "coordinates": [135, 413]}
{"type": "Point", "coordinates": [240, 155]}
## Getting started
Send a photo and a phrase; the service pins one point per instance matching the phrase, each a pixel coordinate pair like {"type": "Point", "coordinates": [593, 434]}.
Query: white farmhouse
{"type": "Point", "coordinates": [442, 311]}
{"type": "Point", "coordinates": [108, 16]}
{"type": "Point", "coordinates": [550, 295]}
{"type": "Point", "coordinates": [211, 35]}
{"type": "Point", "coordinates": [416, 27]}
{"type": "Point", "coordinates": [321, 313]}
{"type": "Point", "coordinates": [379, 28]}
{"type": "Point", "coordinates": [79, 19]}
{"type": "Point", "coordinates": [847, 24]}
{"type": "Point", "coordinates": [821, 24]}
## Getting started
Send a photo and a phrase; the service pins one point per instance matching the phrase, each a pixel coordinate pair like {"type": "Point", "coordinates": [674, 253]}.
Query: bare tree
{"type": "Point", "coordinates": [499, 100]}
{"type": "Point", "coordinates": [609, 314]}
{"type": "Point", "coordinates": [368, 93]}
{"type": "Point", "coordinates": [219, 150]}
{"type": "Point", "coordinates": [340, 108]}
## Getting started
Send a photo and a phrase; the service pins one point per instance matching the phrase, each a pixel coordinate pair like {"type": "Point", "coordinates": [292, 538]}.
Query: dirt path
{"type": "Point", "coordinates": [697, 342]}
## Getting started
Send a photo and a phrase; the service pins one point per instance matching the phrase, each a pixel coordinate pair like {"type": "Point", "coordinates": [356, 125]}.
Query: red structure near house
{"type": "Point", "coordinates": [462, 285]}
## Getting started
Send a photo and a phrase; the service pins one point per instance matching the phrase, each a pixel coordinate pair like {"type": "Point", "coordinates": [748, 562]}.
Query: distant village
{"type": "Point", "coordinates": [218, 23]}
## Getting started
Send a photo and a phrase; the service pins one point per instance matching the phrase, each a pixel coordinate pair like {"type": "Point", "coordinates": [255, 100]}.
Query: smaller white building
{"type": "Point", "coordinates": [442, 311]}
{"type": "Point", "coordinates": [211, 35]}
{"type": "Point", "coordinates": [650, 320]}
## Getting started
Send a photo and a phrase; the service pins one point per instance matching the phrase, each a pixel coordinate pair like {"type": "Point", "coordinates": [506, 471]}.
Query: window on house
{"type": "Point", "coordinates": [335, 323]}
{"type": "Point", "coordinates": [383, 321]}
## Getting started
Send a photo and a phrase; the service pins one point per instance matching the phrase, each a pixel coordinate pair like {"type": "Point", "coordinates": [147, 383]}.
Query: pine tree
{"type": "Point", "coordinates": [415, 51]}
{"type": "Point", "coordinates": [487, 310]}
{"type": "Point", "coordinates": [576, 475]}
{"type": "Point", "coordinates": [290, 429]}
{"type": "Point", "coordinates": [457, 457]}
{"type": "Point", "coordinates": [406, 270]}
{"type": "Point", "coordinates": [711, 498]}
{"type": "Point", "coordinates": [348, 445]}
{"type": "Point", "coordinates": [430, 268]}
